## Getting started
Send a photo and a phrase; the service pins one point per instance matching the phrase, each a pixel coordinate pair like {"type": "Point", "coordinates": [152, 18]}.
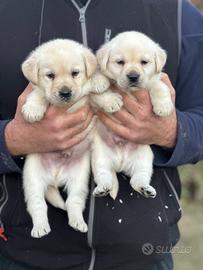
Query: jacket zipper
{"type": "Point", "coordinates": [90, 225]}
{"type": "Point", "coordinates": [82, 20]}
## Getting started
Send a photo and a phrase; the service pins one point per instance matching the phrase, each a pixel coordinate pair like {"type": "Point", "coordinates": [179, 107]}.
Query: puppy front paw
{"type": "Point", "coordinates": [78, 224]}
{"type": "Point", "coordinates": [41, 229]}
{"type": "Point", "coordinates": [113, 103]}
{"type": "Point", "coordinates": [100, 83]}
{"type": "Point", "coordinates": [33, 113]}
{"type": "Point", "coordinates": [163, 109]}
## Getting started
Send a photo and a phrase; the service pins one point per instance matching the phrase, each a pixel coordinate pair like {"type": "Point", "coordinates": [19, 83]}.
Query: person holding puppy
{"type": "Point", "coordinates": [132, 231]}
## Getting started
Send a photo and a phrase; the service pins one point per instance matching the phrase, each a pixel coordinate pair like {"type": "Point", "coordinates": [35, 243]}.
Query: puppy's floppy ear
{"type": "Point", "coordinates": [160, 58]}
{"type": "Point", "coordinates": [103, 55]}
{"type": "Point", "coordinates": [90, 62]}
{"type": "Point", "coordinates": [30, 68]}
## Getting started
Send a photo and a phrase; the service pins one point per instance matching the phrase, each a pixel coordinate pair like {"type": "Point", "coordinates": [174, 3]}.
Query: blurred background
{"type": "Point", "coordinates": [198, 3]}
{"type": "Point", "coordinates": [189, 252]}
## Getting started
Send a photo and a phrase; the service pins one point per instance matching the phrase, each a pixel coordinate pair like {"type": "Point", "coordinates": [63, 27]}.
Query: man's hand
{"type": "Point", "coordinates": [58, 130]}
{"type": "Point", "coordinates": [137, 123]}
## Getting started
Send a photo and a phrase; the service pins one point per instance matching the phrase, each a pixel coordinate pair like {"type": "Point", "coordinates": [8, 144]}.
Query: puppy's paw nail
{"type": "Point", "coordinates": [102, 86]}
{"type": "Point", "coordinates": [148, 191]}
{"type": "Point", "coordinates": [114, 103]}
{"type": "Point", "coordinates": [163, 109]}
{"type": "Point", "coordinates": [100, 83]}
{"type": "Point", "coordinates": [33, 113]}
{"type": "Point", "coordinates": [78, 225]}
{"type": "Point", "coordinates": [102, 190]}
{"type": "Point", "coordinates": [40, 230]}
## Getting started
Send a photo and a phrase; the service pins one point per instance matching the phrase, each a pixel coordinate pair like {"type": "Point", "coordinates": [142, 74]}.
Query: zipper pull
{"type": "Point", "coordinates": [107, 35]}
{"type": "Point", "coordinates": [82, 15]}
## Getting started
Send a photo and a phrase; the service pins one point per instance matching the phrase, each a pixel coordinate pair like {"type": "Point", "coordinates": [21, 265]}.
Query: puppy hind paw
{"type": "Point", "coordinates": [40, 230]}
{"type": "Point", "coordinates": [148, 191]}
{"type": "Point", "coordinates": [78, 225]}
{"type": "Point", "coordinates": [101, 191]}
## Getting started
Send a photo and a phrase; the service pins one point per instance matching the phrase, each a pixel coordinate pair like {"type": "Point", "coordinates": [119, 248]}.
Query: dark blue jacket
{"type": "Point", "coordinates": [189, 94]}
{"type": "Point", "coordinates": [189, 100]}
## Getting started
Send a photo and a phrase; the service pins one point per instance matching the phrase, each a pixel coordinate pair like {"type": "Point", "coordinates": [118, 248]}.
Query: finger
{"type": "Point", "coordinates": [78, 117]}
{"type": "Point", "coordinates": [24, 94]}
{"type": "Point", "coordinates": [71, 132]}
{"type": "Point", "coordinates": [80, 136]}
{"type": "Point", "coordinates": [74, 141]}
{"type": "Point", "coordinates": [166, 80]}
{"type": "Point", "coordinates": [122, 92]}
{"type": "Point", "coordinates": [124, 117]}
{"type": "Point", "coordinates": [53, 111]}
{"type": "Point", "coordinates": [57, 110]}
{"type": "Point", "coordinates": [66, 119]}
{"type": "Point", "coordinates": [88, 120]}
{"type": "Point", "coordinates": [27, 90]}
{"type": "Point", "coordinates": [142, 97]}
{"type": "Point", "coordinates": [131, 105]}
{"type": "Point", "coordinates": [118, 129]}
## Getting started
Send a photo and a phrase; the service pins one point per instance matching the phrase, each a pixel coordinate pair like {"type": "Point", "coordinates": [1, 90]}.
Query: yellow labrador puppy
{"type": "Point", "coordinates": [62, 73]}
{"type": "Point", "coordinates": [131, 60]}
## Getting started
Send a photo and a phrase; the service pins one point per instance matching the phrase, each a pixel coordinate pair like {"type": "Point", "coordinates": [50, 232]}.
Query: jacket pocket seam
{"type": "Point", "coordinates": [173, 190]}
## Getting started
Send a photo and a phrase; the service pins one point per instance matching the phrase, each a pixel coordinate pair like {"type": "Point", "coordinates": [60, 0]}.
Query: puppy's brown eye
{"type": "Point", "coordinates": [144, 62]}
{"type": "Point", "coordinates": [51, 75]}
{"type": "Point", "coordinates": [120, 62]}
{"type": "Point", "coordinates": [74, 73]}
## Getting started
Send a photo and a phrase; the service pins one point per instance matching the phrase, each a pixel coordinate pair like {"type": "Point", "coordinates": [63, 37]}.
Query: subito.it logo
{"type": "Point", "coordinates": [147, 248]}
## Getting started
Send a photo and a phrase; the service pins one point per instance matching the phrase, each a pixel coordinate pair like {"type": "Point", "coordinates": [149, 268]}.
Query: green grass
{"type": "Point", "coordinates": [191, 224]}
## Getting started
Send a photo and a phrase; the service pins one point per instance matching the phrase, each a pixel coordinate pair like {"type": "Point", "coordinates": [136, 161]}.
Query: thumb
{"type": "Point", "coordinates": [166, 80]}
{"type": "Point", "coordinates": [27, 90]}
{"type": "Point", "coordinates": [24, 94]}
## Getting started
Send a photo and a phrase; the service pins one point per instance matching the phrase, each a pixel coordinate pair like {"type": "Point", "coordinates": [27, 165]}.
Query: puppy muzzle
{"type": "Point", "coordinates": [65, 94]}
{"type": "Point", "coordinates": [133, 79]}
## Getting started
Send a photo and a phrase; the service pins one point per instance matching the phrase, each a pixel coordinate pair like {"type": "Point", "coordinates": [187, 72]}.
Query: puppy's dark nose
{"type": "Point", "coordinates": [133, 77]}
{"type": "Point", "coordinates": [65, 93]}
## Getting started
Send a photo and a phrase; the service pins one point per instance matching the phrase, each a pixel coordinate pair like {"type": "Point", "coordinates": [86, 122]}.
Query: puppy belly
{"type": "Point", "coordinates": [116, 147]}
{"type": "Point", "coordinates": [113, 140]}
{"type": "Point", "coordinates": [58, 166]}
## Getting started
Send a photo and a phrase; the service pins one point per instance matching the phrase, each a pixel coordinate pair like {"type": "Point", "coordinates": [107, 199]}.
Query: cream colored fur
{"type": "Point", "coordinates": [128, 53]}
{"type": "Point", "coordinates": [50, 69]}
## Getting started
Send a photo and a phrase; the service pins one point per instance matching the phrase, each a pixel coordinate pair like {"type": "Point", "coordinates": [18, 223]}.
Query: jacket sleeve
{"type": "Point", "coordinates": [7, 162]}
{"type": "Point", "coordinates": [189, 95]}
